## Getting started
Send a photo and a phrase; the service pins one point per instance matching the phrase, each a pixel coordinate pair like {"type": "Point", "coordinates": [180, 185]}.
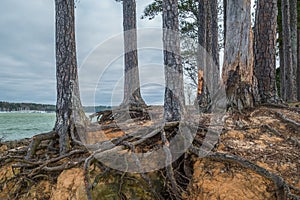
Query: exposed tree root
{"type": "Point", "coordinates": [121, 113]}
{"type": "Point", "coordinates": [42, 163]}
{"type": "Point", "coordinates": [36, 140]}
{"type": "Point", "coordinates": [277, 133]}
{"type": "Point", "coordinates": [283, 189]}
{"type": "Point", "coordinates": [291, 122]}
{"type": "Point", "coordinates": [169, 169]}
{"type": "Point", "coordinates": [87, 182]}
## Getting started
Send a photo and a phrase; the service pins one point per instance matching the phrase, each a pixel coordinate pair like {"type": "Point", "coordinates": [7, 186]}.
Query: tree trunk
{"type": "Point", "coordinates": [208, 52]}
{"type": "Point", "coordinates": [215, 45]}
{"type": "Point", "coordinates": [68, 106]}
{"type": "Point", "coordinates": [265, 50]}
{"type": "Point", "coordinates": [132, 94]}
{"type": "Point", "coordinates": [203, 97]}
{"type": "Point", "coordinates": [174, 91]}
{"type": "Point", "coordinates": [280, 47]}
{"type": "Point", "coordinates": [289, 74]}
{"type": "Point", "coordinates": [224, 20]}
{"type": "Point", "coordinates": [298, 64]}
{"type": "Point", "coordinates": [293, 13]}
{"type": "Point", "coordinates": [238, 55]}
{"type": "Point", "coordinates": [282, 69]}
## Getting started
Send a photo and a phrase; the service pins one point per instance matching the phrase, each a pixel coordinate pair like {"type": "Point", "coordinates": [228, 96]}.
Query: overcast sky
{"type": "Point", "coordinates": [27, 52]}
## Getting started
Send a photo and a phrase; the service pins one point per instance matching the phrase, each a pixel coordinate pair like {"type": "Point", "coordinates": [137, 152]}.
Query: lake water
{"type": "Point", "coordinates": [14, 126]}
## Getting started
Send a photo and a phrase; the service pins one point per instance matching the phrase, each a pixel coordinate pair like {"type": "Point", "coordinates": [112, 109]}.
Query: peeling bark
{"type": "Point", "coordinates": [238, 56]}
{"type": "Point", "coordinates": [203, 97]}
{"type": "Point", "coordinates": [208, 53]}
{"type": "Point", "coordinates": [68, 106]}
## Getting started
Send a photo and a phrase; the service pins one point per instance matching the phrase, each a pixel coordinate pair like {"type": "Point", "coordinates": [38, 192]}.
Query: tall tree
{"type": "Point", "coordinates": [174, 94]}
{"type": "Point", "coordinates": [238, 55]}
{"type": "Point", "coordinates": [208, 53]}
{"type": "Point", "coordinates": [293, 18]}
{"type": "Point", "coordinates": [68, 106]}
{"type": "Point", "coordinates": [280, 47]}
{"type": "Point", "coordinates": [132, 94]}
{"type": "Point", "coordinates": [298, 50]}
{"type": "Point", "coordinates": [224, 19]}
{"type": "Point", "coordinates": [289, 75]}
{"type": "Point", "coordinates": [215, 44]}
{"type": "Point", "coordinates": [203, 98]}
{"type": "Point", "coordinates": [265, 50]}
{"type": "Point", "coordinates": [298, 64]}
{"type": "Point", "coordinates": [188, 26]}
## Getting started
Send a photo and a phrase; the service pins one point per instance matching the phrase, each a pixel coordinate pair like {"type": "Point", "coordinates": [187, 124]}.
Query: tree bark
{"type": "Point", "coordinates": [224, 19]}
{"type": "Point", "coordinates": [174, 91]}
{"type": "Point", "coordinates": [203, 97]}
{"type": "Point", "coordinates": [293, 13]}
{"type": "Point", "coordinates": [238, 55]}
{"type": "Point", "coordinates": [298, 65]}
{"type": "Point", "coordinates": [265, 50]}
{"type": "Point", "coordinates": [208, 52]}
{"type": "Point", "coordinates": [289, 74]}
{"type": "Point", "coordinates": [215, 45]}
{"type": "Point", "coordinates": [68, 106]}
{"type": "Point", "coordinates": [282, 69]}
{"type": "Point", "coordinates": [132, 94]}
{"type": "Point", "coordinates": [282, 92]}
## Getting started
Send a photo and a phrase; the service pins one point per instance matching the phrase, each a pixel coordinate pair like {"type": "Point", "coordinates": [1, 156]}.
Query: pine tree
{"type": "Point", "coordinates": [174, 94]}
{"type": "Point", "coordinates": [288, 76]}
{"type": "Point", "coordinates": [265, 50]}
{"type": "Point", "coordinates": [238, 55]}
{"type": "Point", "coordinates": [132, 94]}
{"type": "Point", "coordinates": [68, 106]}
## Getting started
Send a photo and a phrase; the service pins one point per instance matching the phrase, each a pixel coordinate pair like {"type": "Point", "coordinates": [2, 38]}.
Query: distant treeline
{"type": "Point", "coordinates": [8, 107]}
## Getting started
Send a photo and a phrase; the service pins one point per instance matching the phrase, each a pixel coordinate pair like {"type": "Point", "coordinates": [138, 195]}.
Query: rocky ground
{"type": "Point", "coordinates": [256, 157]}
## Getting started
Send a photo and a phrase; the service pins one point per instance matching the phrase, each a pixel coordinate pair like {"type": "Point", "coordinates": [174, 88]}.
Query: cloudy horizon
{"type": "Point", "coordinates": [27, 53]}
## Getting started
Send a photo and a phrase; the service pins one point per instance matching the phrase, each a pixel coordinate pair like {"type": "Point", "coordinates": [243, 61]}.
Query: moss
{"type": "Point", "coordinates": [129, 186]}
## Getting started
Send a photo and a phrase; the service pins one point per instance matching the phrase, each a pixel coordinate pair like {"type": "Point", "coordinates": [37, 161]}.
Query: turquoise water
{"type": "Point", "coordinates": [15, 126]}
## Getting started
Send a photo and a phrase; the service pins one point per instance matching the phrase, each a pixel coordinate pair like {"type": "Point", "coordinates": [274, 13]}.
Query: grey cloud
{"type": "Point", "coordinates": [27, 54]}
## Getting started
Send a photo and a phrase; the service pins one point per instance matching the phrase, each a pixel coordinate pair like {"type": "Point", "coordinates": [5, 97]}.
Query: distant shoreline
{"type": "Point", "coordinates": [34, 107]}
{"type": "Point", "coordinates": [28, 111]}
